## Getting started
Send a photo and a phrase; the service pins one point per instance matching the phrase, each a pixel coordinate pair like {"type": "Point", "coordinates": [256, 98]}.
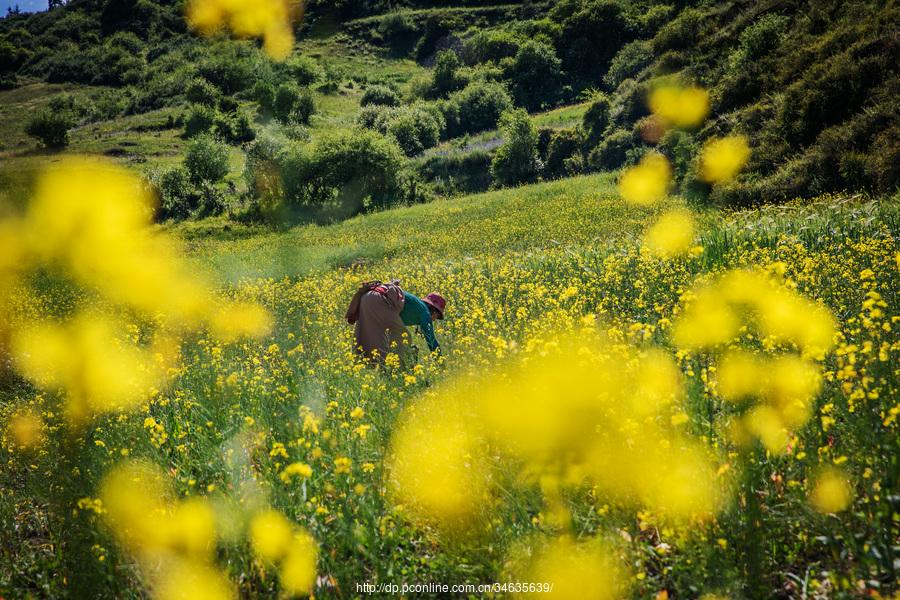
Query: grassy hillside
{"type": "Point", "coordinates": [511, 264]}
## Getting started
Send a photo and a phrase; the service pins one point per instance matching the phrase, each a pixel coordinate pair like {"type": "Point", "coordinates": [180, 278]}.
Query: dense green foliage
{"type": "Point", "coordinates": [812, 84]}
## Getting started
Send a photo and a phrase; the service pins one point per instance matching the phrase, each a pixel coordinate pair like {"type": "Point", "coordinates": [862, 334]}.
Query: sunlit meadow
{"type": "Point", "coordinates": [636, 397]}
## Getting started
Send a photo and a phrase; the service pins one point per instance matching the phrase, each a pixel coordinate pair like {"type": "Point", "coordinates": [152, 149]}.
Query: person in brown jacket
{"type": "Point", "coordinates": [382, 311]}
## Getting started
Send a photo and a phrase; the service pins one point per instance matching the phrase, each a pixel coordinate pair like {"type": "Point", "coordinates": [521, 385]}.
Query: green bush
{"type": "Point", "coordinates": [379, 95]}
{"type": "Point", "coordinates": [376, 116]}
{"type": "Point", "coordinates": [177, 194]}
{"type": "Point", "coordinates": [206, 160]}
{"type": "Point", "coordinates": [446, 78]}
{"type": "Point", "coordinates": [564, 156]}
{"type": "Point", "coordinates": [235, 128]}
{"type": "Point", "coordinates": [50, 128]}
{"type": "Point", "coordinates": [264, 94]}
{"type": "Point", "coordinates": [414, 129]}
{"type": "Point", "coordinates": [591, 33]}
{"type": "Point", "coordinates": [293, 104]}
{"type": "Point", "coordinates": [680, 33]}
{"type": "Point", "coordinates": [304, 71]}
{"type": "Point", "coordinates": [628, 62]}
{"type": "Point", "coordinates": [200, 91]}
{"type": "Point", "coordinates": [516, 161]}
{"type": "Point", "coordinates": [612, 151]}
{"type": "Point", "coordinates": [480, 105]}
{"type": "Point", "coordinates": [534, 75]}
{"type": "Point", "coordinates": [200, 119]}
{"type": "Point", "coordinates": [458, 172]}
{"type": "Point", "coordinates": [490, 45]}
{"type": "Point", "coordinates": [347, 171]}
{"type": "Point", "coordinates": [596, 119]}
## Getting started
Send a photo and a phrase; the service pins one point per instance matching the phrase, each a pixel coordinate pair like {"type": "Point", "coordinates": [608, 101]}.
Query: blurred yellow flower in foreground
{"type": "Point", "coordinates": [436, 466]}
{"type": "Point", "coordinates": [88, 228]}
{"type": "Point", "coordinates": [780, 315]}
{"type": "Point", "coordinates": [672, 234]}
{"type": "Point", "coordinates": [648, 181]}
{"type": "Point", "coordinates": [576, 570]}
{"type": "Point", "coordinates": [722, 159]}
{"type": "Point", "coordinates": [578, 410]}
{"type": "Point", "coordinates": [271, 20]}
{"type": "Point", "coordinates": [25, 429]}
{"type": "Point", "coordinates": [832, 492]}
{"type": "Point", "coordinates": [188, 580]}
{"type": "Point", "coordinates": [683, 107]}
{"type": "Point", "coordinates": [270, 535]}
{"type": "Point", "coordinates": [88, 360]}
{"type": "Point", "coordinates": [279, 542]}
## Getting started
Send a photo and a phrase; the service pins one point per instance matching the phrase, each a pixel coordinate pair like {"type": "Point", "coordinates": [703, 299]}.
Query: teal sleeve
{"type": "Point", "coordinates": [428, 331]}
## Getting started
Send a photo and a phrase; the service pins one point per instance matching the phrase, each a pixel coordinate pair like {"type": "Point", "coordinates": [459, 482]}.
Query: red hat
{"type": "Point", "coordinates": [437, 302]}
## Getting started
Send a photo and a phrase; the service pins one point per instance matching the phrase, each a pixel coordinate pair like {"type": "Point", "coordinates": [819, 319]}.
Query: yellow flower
{"type": "Point", "coordinates": [722, 159]}
{"type": "Point", "coordinates": [586, 570]}
{"type": "Point", "coordinates": [672, 234]}
{"type": "Point", "coordinates": [647, 182]}
{"type": "Point", "coordinates": [832, 492]}
{"type": "Point", "coordinates": [192, 580]}
{"type": "Point", "coordinates": [26, 429]}
{"type": "Point", "coordinates": [298, 469]}
{"type": "Point", "coordinates": [342, 464]}
{"type": "Point", "coordinates": [269, 19]}
{"type": "Point", "coordinates": [270, 535]}
{"type": "Point", "coordinates": [357, 413]}
{"type": "Point", "coordinates": [86, 359]}
{"type": "Point", "coordinates": [298, 570]}
{"type": "Point", "coordinates": [684, 107]}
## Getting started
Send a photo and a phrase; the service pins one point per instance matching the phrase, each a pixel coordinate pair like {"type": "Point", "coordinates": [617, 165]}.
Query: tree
{"type": "Point", "coordinates": [517, 159]}
{"type": "Point", "coordinates": [446, 79]}
{"type": "Point", "coordinates": [534, 75]}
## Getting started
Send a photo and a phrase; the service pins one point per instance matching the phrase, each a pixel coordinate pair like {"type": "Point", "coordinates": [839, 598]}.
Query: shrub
{"type": "Point", "coordinates": [235, 128]}
{"type": "Point", "coordinates": [628, 62]}
{"type": "Point", "coordinates": [590, 35]}
{"type": "Point", "coordinates": [199, 120]}
{"type": "Point", "coordinates": [227, 69]}
{"type": "Point", "coordinates": [379, 95]}
{"type": "Point", "coordinates": [304, 71]}
{"type": "Point", "coordinates": [200, 91]}
{"type": "Point", "coordinates": [262, 171]}
{"type": "Point", "coordinates": [480, 105]}
{"type": "Point", "coordinates": [516, 161]}
{"type": "Point", "coordinates": [679, 33]}
{"type": "Point", "coordinates": [264, 93]}
{"type": "Point", "coordinates": [414, 130]}
{"type": "Point", "coordinates": [50, 128]}
{"type": "Point", "coordinates": [376, 116]}
{"type": "Point", "coordinates": [446, 78]}
{"type": "Point", "coordinates": [206, 160]}
{"type": "Point", "coordinates": [491, 45]}
{"type": "Point", "coordinates": [565, 144]}
{"type": "Point", "coordinates": [293, 104]}
{"type": "Point", "coordinates": [347, 170]}
{"type": "Point", "coordinates": [177, 195]}
{"type": "Point", "coordinates": [458, 173]}
{"type": "Point", "coordinates": [596, 119]}
{"type": "Point", "coordinates": [612, 151]}
{"type": "Point", "coordinates": [534, 75]}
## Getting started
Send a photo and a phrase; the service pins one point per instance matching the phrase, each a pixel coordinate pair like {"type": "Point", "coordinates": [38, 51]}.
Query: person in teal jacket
{"type": "Point", "coordinates": [381, 313]}
{"type": "Point", "coordinates": [422, 312]}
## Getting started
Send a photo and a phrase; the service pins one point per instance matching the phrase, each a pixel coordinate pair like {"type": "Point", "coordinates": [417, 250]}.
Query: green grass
{"type": "Point", "coordinates": [585, 209]}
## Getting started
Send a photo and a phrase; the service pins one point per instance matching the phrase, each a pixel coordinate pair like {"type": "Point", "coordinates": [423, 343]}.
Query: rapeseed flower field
{"type": "Point", "coordinates": [603, 415]}
{"type": "Point", "coordinates": [635, 398]}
